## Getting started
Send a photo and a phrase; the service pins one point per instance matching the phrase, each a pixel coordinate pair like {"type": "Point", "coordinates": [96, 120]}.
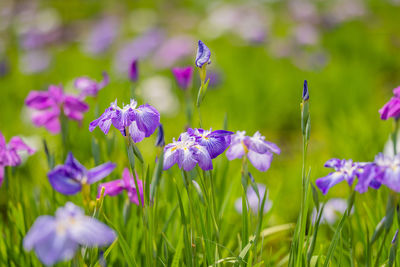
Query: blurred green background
{"type": "Point", "coordinates": [347, 50]}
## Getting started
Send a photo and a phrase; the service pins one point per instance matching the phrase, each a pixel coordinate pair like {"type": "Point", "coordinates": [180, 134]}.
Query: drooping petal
{"type": "Point", "coordinates": [42, 227]}
{"type": "Point", "coordinates": [104, 121]}
{"type": "Point", "coordinates": [56, 247]}
{"type": "Point", "coordinates": [391, 109]}
{"type": "Point", "coordinates": [112, 188]}
{"type": "Point", "coordinates": [187, 160]}
{"type": "Point", "coordinates": [171, 156]}
{"type": "Point", "coordinates": [90, 232]}
{"type": "Point", "coordinates": [63, 179]}
{"type": "Point", "coordinates": [367, 178]}
{"type": "Point", "coordinates": [87, 86]}
{"type": "Point", "coordinates": [203, 54]}
{"type": "Point", "coordinates": [39, 100]}
{"type": "Point", "coordinates": [99, 172]}
{"type": "Point", "coordinates": [260, 161]}
{"type": "Point", "coordinates": [235, 151]}
{"type": "Point", "coordinates": [203, 158]}
{"type": "Point", "coordinates": [49, 119]}
{"type": "Point", "coordinates": [391, 179]}
{"type": "Point", "coordinates": [136, 134]}
{"type": "Point", "coordinates": [325, 183]}
{"type": "Point", "coordinates": [133, 193]}
{"type": "Point", "coordinates": [273, 147]}
{"type": "Point", "coordinates": [214, 145]}
{"type": "Point", "coordinates": [147, 119]}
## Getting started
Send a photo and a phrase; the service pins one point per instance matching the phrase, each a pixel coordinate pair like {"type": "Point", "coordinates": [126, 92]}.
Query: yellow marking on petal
{"type": "Point", "coordinates": [244, 147]}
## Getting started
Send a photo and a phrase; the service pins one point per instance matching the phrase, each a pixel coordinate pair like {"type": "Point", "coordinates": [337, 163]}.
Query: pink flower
{"type": "Point", "coordinates": [392, 108]}
{"type": "Point", "coordinates": [48, 106]}
{"type": "Point", "coordinates": [89, 87]}
{"type": "Point", "coordinates": [9, 153]}
{"type": "Point", "coordinates": [127, 183]}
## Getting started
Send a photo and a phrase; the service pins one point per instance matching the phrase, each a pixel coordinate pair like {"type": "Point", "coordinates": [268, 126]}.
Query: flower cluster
{"type": "Point", "coordinates": [89, 87]}
{"type": "Point", "coordinates": [57, 238]}
{"type": "Point", "coordinates": [9, 153]}
{"type": "Point", "coordinates": [138, 122]}
{"type": "Point", "coordinates": [392, 108]}
{"type": "Point", "coordinates": [69, 178]}
{"type": "Point", "coordinates": [256, 148]}
{"type": "Point", "coordinates": [49, 105]}
{"type": "Point", "coordinates": [196, 146]}
{"type": "Point", "coordinates": [127, 183]}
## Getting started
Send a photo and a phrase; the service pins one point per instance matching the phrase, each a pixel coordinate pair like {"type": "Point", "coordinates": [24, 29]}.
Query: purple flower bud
{"type": "Point", "coordinates": [305, 91]}
{"type": "Point", "coordinates": [203, 55]}
{"type": "Point", "coordinates": [160, 136]}
{"type": "Point", "coordinates": [395, 237]}
{"type": "Point", "coordinates": [133, 71]}
{"type": "Point", "coordinates": [183, 76]}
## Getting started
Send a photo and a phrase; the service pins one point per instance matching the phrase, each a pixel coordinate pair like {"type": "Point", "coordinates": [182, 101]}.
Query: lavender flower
{"type": "Point", "coordinates": [48, 106]}
{"type": "Point", "coordinates": [384, 170]}
{"type": "Point", "coordinates": [9, 153]}
{"type": "Point", "coordinates": [216, 142]}
{"type": "Point", "coordinates": [259, 151]}
{"type": "Point", "coordinates": [127, 183]}
{"type": "Point", "coordinates": [183, 77]}
{"type": "Point", "coordinates": [392, 108]}
{"type": "Point", "coordinates": [133, 71]}
{"type": "Point", "coordinates": [57, 238]}
{"type": "Point", "coordinates": [186, 152]}
{"type": "Point", "coordinates": [306, 96]}
{"type": "Point", "coordinates": [344, 170]}
{"type": "Point", "coordinates": [69, 178]}
{"type": "Point", "coordinates": [102, 35]}
{"type": "Point", "coordinates": [89, 87]}
{"type": "Point", "coordinates": [333, 208]}
{"type": "Point", "coordinates": [203, 55]}
{"type": "Point", "coordinates": [138, 122]}
{"type": "Point", "coordinates": [196, 146]}
{"type": "Point", "coordinates": [254, 202]}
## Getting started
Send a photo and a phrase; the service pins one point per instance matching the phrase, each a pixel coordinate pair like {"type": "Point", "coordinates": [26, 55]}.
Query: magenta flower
{"type": "Point", "coordinates": [259, 152]}
{"type": "Point", "coordinates": [392, 108]}
{"type": "Point", "coordinates": [57, 238]}
{"type": "Point", "coordinates": [9, 153]}
{"type": "Point", "coordinates": [138, 122]}
{"type": "Point", "coordinates": [69, 178]}
{"type": "Point", "coordinates": [48, 105]}
{"type": "Point", "coordinates": [127, 183]}
{"type": "Point", "coordinates": [183, 77]}
{"type": "Point", "coordinates": [133, 71]}
{"type": "Point", "coordinates": [89, 87]}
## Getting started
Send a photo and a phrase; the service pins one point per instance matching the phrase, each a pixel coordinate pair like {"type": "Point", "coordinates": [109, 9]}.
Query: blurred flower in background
{"type": "Point", "coordinates": [254, 201]}
{"type": "Point", "coordinates": [102, 35]}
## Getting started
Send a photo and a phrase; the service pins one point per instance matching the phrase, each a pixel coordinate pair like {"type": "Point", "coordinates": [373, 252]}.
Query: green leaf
{"type": "Point", "coordinates": [178, 252]}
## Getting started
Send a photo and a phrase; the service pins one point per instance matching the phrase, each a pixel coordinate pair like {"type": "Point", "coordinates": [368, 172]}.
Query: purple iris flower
{"type": "Point", "coordinates": [183, 77]}
{"type": "Point", "coordinates": [345, 170]}
{"type": "Point", "coordinates": [127, 183]}
{"type": "Point", "coordinates": [186, 152]}
{"type": "Point", "coordinates": [69, 178]}
{"type": "Point", "coordinates": [89, 87]}
{"type": "Point", "coordinates": [392, 108]}
{"type": "Point", "coordinates": [216, 142]}
{"type": "Point", "coordinates": [9, 153]}
{"type": "Point", "coordinates": [384, 170]}
{"type": "Point", "coordinates": [139, 122]}
{"type": "Point", "coordinates": [133, 71]}
{"type": "Point", "coordinates": [57, 238]}
{"type": "Point", "coordinates": [259, 152]}
{"type": "Point", "coordinates": [48, 106]}
{"type": "Point", "coordinates": [203, 55]}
